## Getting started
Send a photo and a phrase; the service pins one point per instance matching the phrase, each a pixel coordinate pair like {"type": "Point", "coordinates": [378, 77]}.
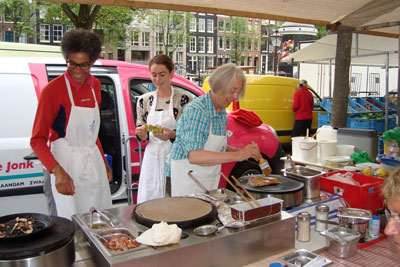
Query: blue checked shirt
{"type": "Point", "coordinates": [193, 128]}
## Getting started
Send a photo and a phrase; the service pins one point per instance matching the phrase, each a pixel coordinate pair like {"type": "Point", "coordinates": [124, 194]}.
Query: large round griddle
{"type": "Point", "coordinates": [42, 223]}
{"type": "Point", "coordinates": [286, 185]}
{"type": "Point", "coordinates": [57, 236]}
{"type": "Point", "coordinates": [184, 224]}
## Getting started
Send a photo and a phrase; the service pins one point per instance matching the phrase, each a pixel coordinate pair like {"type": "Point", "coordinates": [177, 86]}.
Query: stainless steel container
{"type": "Point", "coordinates": [341, 242]}
{"type": "Point", "coordinates": [356, 219]}
{"type": "Point", "coordinates": [311, 179]}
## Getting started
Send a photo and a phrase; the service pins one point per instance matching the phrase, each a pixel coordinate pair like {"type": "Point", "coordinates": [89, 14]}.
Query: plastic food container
{"type": "Point", "coordinates": [338, 161]}
{"type": "Point", "coordinates": [341, 242]}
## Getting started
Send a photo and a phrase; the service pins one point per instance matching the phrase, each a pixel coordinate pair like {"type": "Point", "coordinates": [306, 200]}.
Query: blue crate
{"type": "Point", "coordinates": [370, 124]}
{"type": "Point", "coordinates": [391, 104]}
{"type": "Point", "coordinates": [363, 102]}
{"type": "Point", "coordinates": [351, 109]}
{"type": "Point", "coordinates": [324, 119]}
{"type": "Point", "coordinates": [357, 106]}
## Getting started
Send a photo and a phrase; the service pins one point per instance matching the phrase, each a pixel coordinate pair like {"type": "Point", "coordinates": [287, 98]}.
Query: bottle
{"type": "Point", "coordinates": [374, 225]}
{"type": "Point", "coordinates": [321, 213]}
{"type": "Point", "coordinates": [303, 226]}
{"type": "Point", "coordinates": [394, 151]}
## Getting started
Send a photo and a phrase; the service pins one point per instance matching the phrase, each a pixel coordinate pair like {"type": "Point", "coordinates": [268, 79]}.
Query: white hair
{"type": "Point", "coordinates": [224, 78]}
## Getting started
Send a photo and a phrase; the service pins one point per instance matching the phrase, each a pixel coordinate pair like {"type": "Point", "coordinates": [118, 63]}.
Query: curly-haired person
{"type": "Point", "coordinates": [68, 117]}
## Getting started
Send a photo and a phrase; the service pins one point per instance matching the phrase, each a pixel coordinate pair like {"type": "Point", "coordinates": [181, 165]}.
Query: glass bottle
{"type": "Point", "coordinates": [303, 226]}
{"type": "Point", "coordinates": [321, 213]}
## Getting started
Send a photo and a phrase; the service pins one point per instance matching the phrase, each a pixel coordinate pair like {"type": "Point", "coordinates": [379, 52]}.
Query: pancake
{"type": "Point", "coordinates": [173, 209]}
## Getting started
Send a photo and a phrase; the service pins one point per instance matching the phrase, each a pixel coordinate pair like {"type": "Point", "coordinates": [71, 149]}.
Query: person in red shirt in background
{"type": "Point", "coordinates": [68, 117]}
{"type": "Point", "coordinates": [303, 104]}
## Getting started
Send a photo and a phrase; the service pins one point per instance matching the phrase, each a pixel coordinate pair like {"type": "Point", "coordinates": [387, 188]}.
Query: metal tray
{"type": "Point", "coordinates": [99, 221]}
{"type": "Point", "coordinates": [302, 172]}
{"type": "Point", "coordinates": [303, 257]}
{"type": "Point", "coordinates": [107, 234]}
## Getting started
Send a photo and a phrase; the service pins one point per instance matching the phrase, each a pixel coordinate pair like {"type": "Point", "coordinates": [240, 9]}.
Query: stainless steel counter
{"type": "Point", "coordinates": [236, 247]}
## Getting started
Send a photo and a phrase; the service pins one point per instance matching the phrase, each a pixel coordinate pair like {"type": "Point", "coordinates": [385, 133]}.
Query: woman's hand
{"type": "Point", "coordinates": [142, 133]}
{"type": "Point", "coordinates": [166, 134]}
{"type": "Point", "coordinates": [249, 151]}
{"type": "Point", "coordinates": [64, 183]}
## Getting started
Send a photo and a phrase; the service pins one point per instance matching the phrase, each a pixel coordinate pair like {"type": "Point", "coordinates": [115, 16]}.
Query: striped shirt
{"type": "Point", "coordinates": [193, 128]}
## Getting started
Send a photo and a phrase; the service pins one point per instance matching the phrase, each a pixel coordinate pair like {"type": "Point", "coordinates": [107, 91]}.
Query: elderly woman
{"type": "Point", "coordinates": [68, 109]}
{"type": "Point", "coordinates": [201, 141]}
{"type": "Point", "coordinates": [391, 189]}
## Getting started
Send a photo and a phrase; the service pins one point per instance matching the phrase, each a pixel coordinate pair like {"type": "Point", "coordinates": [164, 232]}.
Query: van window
{"type": "Point", "coordinates": [317, 101]}
{"type": "Point", "coordinates": [139, 87]}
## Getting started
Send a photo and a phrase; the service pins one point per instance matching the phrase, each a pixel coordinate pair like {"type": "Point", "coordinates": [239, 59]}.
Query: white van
{"type": "Point", "coordinates": [22, 78]}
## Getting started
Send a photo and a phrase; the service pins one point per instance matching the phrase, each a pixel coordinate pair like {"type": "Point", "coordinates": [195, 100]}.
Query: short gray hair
{"type": "Point", "coordinates": [391, 186]}
{"type": "Point", "coordinates": [225, 76]}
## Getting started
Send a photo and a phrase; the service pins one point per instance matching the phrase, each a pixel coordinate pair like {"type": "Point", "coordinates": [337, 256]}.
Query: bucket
{"type": "Point", "coordinates": [326, 132]}
{"type": "Point", "coordinates": [344, 150]}
{"type": "Point", "coordinates": [327, 148]}
{"type": "Point", "coordinates": [296, 154]}
{"type": "Point", "coordinates": [308, 149]}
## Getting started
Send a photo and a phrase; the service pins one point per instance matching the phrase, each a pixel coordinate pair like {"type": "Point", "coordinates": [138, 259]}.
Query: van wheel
{"type": "Point", "coordinates": [242, 169]}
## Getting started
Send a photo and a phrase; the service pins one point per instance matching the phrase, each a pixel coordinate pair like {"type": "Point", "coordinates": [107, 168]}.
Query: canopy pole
{"type": "Point", "coordinates": [330, 77]}
{"type": "Point", "coordinates": [398, 81]}
{"type": "Point", "coordinates": [387, 93]}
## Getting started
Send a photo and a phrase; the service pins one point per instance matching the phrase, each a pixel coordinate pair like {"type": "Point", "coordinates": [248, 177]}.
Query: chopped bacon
{"type": "Point", "coordinates": [121, 243]}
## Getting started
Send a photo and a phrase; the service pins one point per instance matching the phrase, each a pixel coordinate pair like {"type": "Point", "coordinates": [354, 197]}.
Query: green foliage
{"type": "Point", "coordinates": [321, 31]}
{"type": "Point", "coordinates": [240, 36]}
{"type": "Point", "coordinates": [20, 13]}
{"type": "Point", "coordinates": [170, 27]}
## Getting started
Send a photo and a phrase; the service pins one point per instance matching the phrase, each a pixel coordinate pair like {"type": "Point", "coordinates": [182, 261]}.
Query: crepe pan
{"type": "Point", "coordinates": [208, 218]}
{"type": "Point", "coordinates": [42, 223]}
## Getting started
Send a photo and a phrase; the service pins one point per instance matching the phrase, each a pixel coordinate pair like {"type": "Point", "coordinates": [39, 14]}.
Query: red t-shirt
{"type": "Point", "coordinates": [303, 104]}
{"type": "Point", "coordinates": [53, 111]}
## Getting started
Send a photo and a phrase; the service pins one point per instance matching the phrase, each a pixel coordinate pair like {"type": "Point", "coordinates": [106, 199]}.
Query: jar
{"type": "Point", "coordinates": [303, 226]}
{"type": "Point", "coordinates": [321, 213]}
{"type": "Point", "coordinates": [374, 226]}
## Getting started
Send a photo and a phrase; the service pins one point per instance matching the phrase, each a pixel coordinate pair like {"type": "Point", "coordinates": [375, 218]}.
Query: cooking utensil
{"type": "Point", "coordinates": [196, 181]}
{"type": "Point", "coordinates": [237, 190]}
{"type": "Point", "coordinates": [292, 164]}
{"type": "Point", "coordinates": [42, 223]}
{"type": "Point", "coordinates": [288, 189]}
{"type": "Point", "coordinates": [342, 242]}
{"type": "Point", "coordinates": [209, 229]}
{"type": "Point", "coordinates": [104, 216]}
{"type": "Point", "coordinates": [247, 192]}
{"type": "Point", "coordinates": [264, 165]}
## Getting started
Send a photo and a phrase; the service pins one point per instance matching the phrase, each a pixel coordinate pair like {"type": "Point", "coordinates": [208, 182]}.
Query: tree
{"type": "Point", "coordinates": [321, 31]}
{"type": "Point", "coordinates": [170, 28]}
{"type": "Point", "coordinates": [108, 21]}
{"type": "Point", "coordinates": [240, 38]}
{"type": "Point", "coordinates": [20, 13]}
{"type": "Point", "coordinates": [341, 88]}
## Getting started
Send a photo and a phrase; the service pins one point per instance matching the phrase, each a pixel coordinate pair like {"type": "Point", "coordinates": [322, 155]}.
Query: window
{"type": "Point", "coordinates": [249, 24]}
{"type": "Point", "coordinates": [210, 25]}
{"type": "Point", "coordinates": [192, 25]}
{"type": "Point", "coordinates": [135, 22]}
{"type": "Point", "coordinates": [210, 45]}
{"type": "Point", "coordinates": [135, 39]}
{"type": "Point", "coordinates": [256, 44]}
{"type": "Point", "coordinates": [44, 33]}
{"type": "Point", "coordinates": [57, 33]}
{"type": "Point", "coordinates": [202, 44]}
{"type": "Point", "coordinates": [202, 25]}
{"type": "Point", "coordinates": [210, 61]}
{"type": "Point", "coordinates": [146, 22]}
{"type": "Point", "coordinates": [220, 43]}
{"type": "Point", "coordinates": [256, 24]}
{"type": "Point", "coordinates": [228, 43]}
{"type": "Point", "coordinates": [145, 38]}
{"type": "Point", "coordinates": [192, 44]}
{"type": "Point", "coordinates": [221, 25]}
{"type": "Point", "coordinates": [179, 58]}
{"type": "Point", "coordinates": [201, 63]}
{"type": "Point", "coordinates": [228, 26]}
{"type": "Point", "coordinates": [192, 63]}
{"type": "Point", "coordinates": [159, 38]}
{"type": "Point", "coordinates": [110, 56]}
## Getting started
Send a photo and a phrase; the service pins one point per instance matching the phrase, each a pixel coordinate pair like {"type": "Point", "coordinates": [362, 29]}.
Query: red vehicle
{"type": "Point", "coordinates": [122, 84]}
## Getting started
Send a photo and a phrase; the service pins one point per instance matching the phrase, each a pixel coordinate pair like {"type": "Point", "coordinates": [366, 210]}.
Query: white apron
{"type": "Point", "coordinates": [152, 176]}
{"type": "Point", "coordinates": [209, 176]}
{"type": "Point", "coordinates": [80, 157]}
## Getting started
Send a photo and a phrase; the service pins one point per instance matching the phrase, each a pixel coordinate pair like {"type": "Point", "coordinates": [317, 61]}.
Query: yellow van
{"type": "Point", "coordinates": [271, 98]}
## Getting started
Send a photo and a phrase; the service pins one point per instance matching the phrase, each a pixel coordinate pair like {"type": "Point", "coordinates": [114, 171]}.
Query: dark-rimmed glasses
{"type": "Point", "coordinates": [396, 218]}
{"type": "Point", "coordinates": [82, 66]}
